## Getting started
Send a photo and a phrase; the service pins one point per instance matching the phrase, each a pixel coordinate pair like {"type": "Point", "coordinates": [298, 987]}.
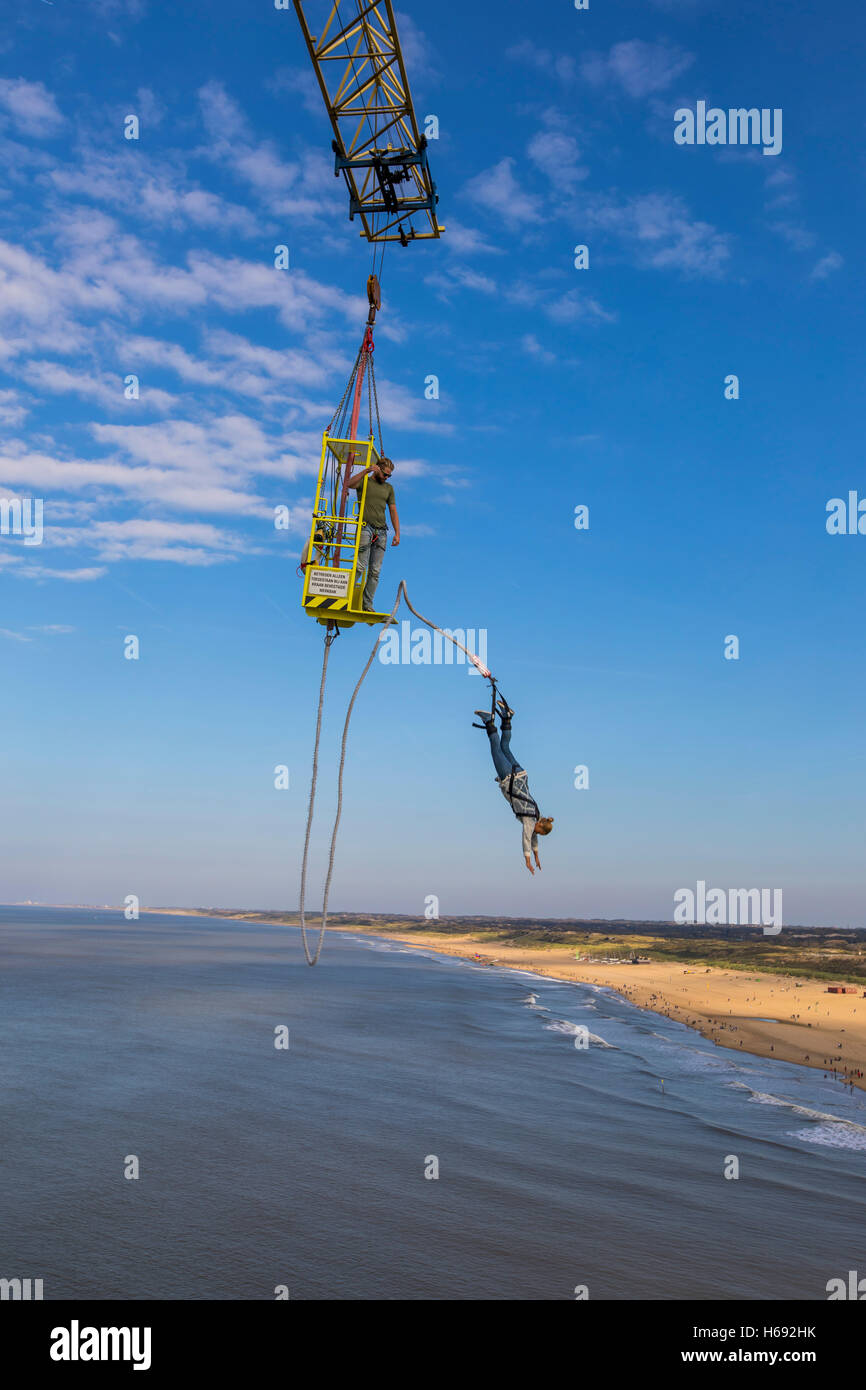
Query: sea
{"type": "Point", "coordinates": [188, 1111]}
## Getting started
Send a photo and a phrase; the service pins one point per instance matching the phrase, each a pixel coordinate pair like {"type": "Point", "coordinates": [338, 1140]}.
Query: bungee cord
{"type": "Point", "coordinates": [402, 596]}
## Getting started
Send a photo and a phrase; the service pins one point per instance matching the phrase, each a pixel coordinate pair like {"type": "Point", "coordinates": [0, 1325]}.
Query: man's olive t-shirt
{"type": "Point", "coordinates": [379, 496]}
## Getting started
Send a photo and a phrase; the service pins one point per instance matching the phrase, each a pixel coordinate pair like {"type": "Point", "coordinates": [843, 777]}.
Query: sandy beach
{"type": "Point", "coordinates": [794, 1020]}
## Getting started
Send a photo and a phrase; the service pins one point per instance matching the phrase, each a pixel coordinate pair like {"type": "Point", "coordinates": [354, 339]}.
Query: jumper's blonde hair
{"type": "Point", "coordinates": [544, 825]}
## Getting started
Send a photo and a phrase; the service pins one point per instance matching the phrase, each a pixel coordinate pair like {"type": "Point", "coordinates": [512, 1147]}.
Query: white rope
{"type": "Point", "coordinates": [420, 616]}
{"type": "Point", "coordinates": [329, 638]}
{"type": "Point", "coordinates": [401, 594]}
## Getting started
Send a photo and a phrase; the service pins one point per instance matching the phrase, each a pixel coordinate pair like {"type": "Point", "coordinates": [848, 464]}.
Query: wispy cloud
{"type": "Point", "coordinates": [156, 191]}
{"type": "Point", "coordinates": [827, 265]}
{"type": "Point", "coordinates": [558, 156]}
{"type": "Point", "coordinates": [300, 83]}
{"type": "Point", "coordinates": [638, 68]}
{"type": "Point", "coordinates": [13, 411]}
{"type": "Point", "coordinates": [30, 107]}
{"type": "Point", "coordinates": [302, 188]}
{"type": "Point", "coordinates": [455, 278]}
{"type": "Point", "coordinates": [559, 65]}
{"type": "Point", "coordinates": [468, 241]}
{"type": "Point", "coordinates": [575, 306]}
{"type": "Point", "coordinates": [533, 348]}
{"type": "Point", "coordinates": [497, 190]}
{"type": "Point", "coordinates": [59, 379]}
{"type": "Point", "coordinates": [184, 543]}
{"type": "Point", "coordinates": [798, 237]}
{"type": "Point", "coordinates": [39, 573]}
{"type": "Point", "coordinates": [659, 232]}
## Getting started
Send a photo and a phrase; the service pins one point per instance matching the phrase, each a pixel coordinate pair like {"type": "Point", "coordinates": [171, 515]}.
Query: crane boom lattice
{"type": "Point", "coordinates": [377, 145]}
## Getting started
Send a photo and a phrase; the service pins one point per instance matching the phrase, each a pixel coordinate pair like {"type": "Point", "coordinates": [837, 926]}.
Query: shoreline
{"type": "Point", "coordinates": [782, 1017]}
{"type": "Point", "coordinates": [777, 1017]}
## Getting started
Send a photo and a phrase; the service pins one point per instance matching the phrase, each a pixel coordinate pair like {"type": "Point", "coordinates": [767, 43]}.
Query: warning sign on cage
{"type": "Point", "coordinates": [331, 583]}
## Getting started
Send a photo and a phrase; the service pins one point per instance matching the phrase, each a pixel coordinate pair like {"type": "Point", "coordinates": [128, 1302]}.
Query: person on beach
{"type": "Point", "coordinates": [514, 784]}
{"type": "Point", "coordinates": [374, 532]}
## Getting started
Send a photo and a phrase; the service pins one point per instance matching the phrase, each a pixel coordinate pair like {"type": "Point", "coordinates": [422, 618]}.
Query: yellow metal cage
{"type": "Point", "coordinates": [333, 587]}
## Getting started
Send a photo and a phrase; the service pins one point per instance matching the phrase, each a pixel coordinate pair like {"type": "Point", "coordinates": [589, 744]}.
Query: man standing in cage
{"type": "Point", "coordinates": [374, 532]}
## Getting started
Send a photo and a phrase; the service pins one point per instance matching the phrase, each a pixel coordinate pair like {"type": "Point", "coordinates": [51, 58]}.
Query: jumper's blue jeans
{"type": "Point", "coordinates": [500, 748]}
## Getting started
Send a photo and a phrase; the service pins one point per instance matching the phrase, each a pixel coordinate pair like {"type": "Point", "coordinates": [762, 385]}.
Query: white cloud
{"type": "Point", "coordinates": [798, 237]}
{"type": "Point", "coordinates": [302, 189]}
{"type": "Point", "coordinates": [12, 410]}
{"type": "Point", "coordinates": [639, 68]}
{"type": "Point", "coordinates": [126, 9]}
{"type": "Point", "coordinates": [38, 572]}
{"type": "Point", "coordinates": [574, 306]}
{"type": "Point", "coordinates": [171, 466]}
{"type": "Point", "coordinates": [38, 304]}
{"type": "Point", "coordinates": [497, 190]}
{"type": "Point", "coordinates": [559, 65]}
{"type": "Point", "coordinates": [108, 390]}
{"type": "Point", "coordinates": [532, 347]}
{"type": "Point", "coordinates": [153, 191]}
{"type": "Point", "coordinates": [184, 543]}
{"type": "Point", "coordinates": [417, 51]}
{"type": "Point", "coordinates": [467, 241]}
{"type": "Point", "coordinates": [660, 233]}
{"type": "Point", "coordinates": [239, 285]}
{"type": "Point", "coordinates": [298, 82]}
{"type": "Point", "coordinates": [781, 184]}
{"type": "Point", "coordinates": [292, 366]}
{"type": "Point", "coordinates": [827, 265]}
{"type": "Point", "coordinates": [448, 282]}
{"type": "Point", "coordinates": [30, 106]}
{"type": "Point", "coordinates": [558, 156]}
{"type": "Point", "coordinates": [149, 108]}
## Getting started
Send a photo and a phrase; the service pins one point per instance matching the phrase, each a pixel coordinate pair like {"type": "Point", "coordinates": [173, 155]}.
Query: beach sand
{"type": "Point", "coordinates": [794, 1020]}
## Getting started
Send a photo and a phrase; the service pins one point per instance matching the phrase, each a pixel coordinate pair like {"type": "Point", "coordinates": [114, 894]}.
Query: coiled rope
{"type": "Point", "coordinates": [329, 639]}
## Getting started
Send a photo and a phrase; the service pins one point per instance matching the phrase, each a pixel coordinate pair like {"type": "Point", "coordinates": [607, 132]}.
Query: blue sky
{"type": "Point", "coordinates": [558, 387]}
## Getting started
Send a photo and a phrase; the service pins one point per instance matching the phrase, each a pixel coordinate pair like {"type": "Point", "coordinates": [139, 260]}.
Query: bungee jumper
{"type": "Point", "coordinates": [512, 780]}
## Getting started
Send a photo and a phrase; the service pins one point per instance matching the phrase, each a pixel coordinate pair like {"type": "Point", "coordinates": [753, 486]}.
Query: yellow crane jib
{"type": "Point", "coordinates": [333, 585]}
{"type": "Point", "coordinates": [377, 145]}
